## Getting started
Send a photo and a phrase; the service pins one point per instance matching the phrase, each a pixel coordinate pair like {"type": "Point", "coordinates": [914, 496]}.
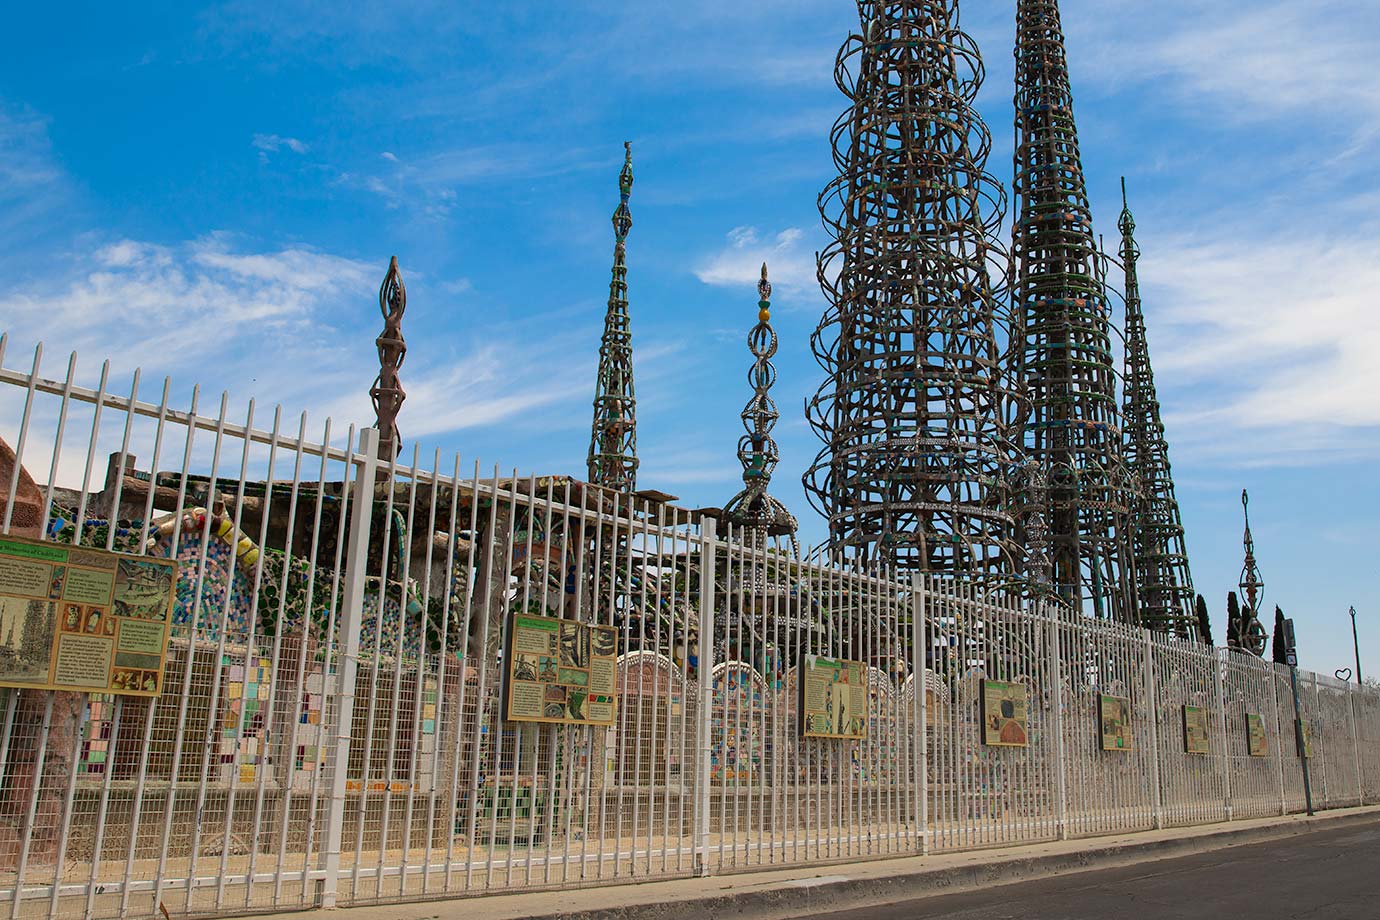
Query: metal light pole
{"type": "Point", "coordinates": [1356, 644]}
{"type": "Point", "coordinates": [1292, 659]}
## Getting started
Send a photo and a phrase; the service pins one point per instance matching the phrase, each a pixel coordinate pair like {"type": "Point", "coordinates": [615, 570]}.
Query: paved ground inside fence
{"type": "Point", "coordinates": [1332, 874]}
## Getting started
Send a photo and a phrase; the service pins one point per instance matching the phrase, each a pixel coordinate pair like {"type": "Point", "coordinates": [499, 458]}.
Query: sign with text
{"type": "Point", "coordinates": [1257, 742]}
{"type": "Point", "coordinates": [833, 698]}
{"type": "Point", "coordinates": [561, 672]}
{"type": "Point", "coordinates": [1114, 714]}
{"type": "Point", "coordinates": [82, 619]}
{"type": "Point", "coordinates": [1196, 739]}
{"type": "Point", "coordinates": [1004, 714]}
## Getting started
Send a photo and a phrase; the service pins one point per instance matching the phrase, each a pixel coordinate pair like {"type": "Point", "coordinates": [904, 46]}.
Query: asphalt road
{"type": "Point", "coordinates": [1329, 875]}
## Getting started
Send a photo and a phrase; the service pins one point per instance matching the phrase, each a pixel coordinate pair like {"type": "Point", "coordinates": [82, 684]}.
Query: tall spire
{"type": "Point", "coordinates": [613, 441]}
{"type": "Point", "coordinates": [1163, 581]}
{"type": "Point", "coordinates": [1247, 632]}
{"type": "Point", "coordinates": [916, 465]}
{"type": "Point", "coordinates": [1072, 428]}
{"type": "Point", "coordinates": [387, 392]}
{"type": "Point", "coordinates": [753, 509]}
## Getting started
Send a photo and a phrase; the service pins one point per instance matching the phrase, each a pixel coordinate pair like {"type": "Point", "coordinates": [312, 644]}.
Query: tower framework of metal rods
{"type": "Point", "coordinates": [914, 413]}
{"type": "Point", "coordinates": [612, 457]}
{"type": "Point", "coordinates": [1163, 581]}
{"type": "Point", "coordinates": [1072, 428]}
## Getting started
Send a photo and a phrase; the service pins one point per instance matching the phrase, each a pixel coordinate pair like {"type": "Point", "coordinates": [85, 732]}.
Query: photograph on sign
{"type": "Point", "coordinates": [1114, 714]}
{"type": "Point", "coordinates": [1196, 730]}
{"type": "Point", "coordinates": [561, 671]}
{"type": "Point", "coordinates": [82, 619]}
{"type": "Point", "coordinates": [832, 698]}
{"type": "Point", "coordinates": [1257, 743]}
{"type": "Point", "coordinates": [1004, 714]}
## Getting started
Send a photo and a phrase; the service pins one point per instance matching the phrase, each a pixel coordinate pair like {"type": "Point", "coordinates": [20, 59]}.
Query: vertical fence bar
{"type": "Point", "coordinates": [708, 551]}
{"type": "Point", "coordinates": [1056, 679]}
{"type": "Point", "coordinates": [351, 618]}
{"type": "Point", "coordinates": [1356, 743]}
{"type": "Point", "coordinates": [921, 704]}
{"type": "Point", "coordinates": [1219, 662]}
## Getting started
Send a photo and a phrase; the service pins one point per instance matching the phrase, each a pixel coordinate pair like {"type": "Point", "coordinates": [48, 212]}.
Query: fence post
{"type": "Point", "coordinates": [341, 710]}
{"type": "Point", "coordinates": [1057, 681]}
{"type": "Point", "coordinates": [1219, 663]}
{"type": "Point", "coordinates": [708, 556]}
{"type": "Point", "coordinates": [1318, 746]}
{"type": "Point", "coordinates": [1150, 704]}
{"type": "Point", "coordinates": [1356, 745]}
{"type": "Point", "coordinates": [1279, 740]}
{"type": "Point", "coordinates": [918, 654]}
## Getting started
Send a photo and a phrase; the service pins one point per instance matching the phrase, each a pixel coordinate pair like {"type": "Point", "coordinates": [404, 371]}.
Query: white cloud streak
{"type": "Point", "coordinates": [790, 262]}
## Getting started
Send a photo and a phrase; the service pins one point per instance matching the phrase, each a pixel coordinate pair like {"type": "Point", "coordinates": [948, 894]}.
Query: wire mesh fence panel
{"type": "Point", "coordinates": [206, 794]}
{"type": "Point", "coordinates": [1336, 741]}
{"type": "Point", "coordinates": [1108, 739]}
{"type": "Point", "coordinates": [1253, 742]}
{"type": "Point", "coordinates": [1189, 726]}
{"type": "Point", "coordinates": [1367, 706]}
{"type": "Point", "coordinates": [1291, 764]}
{"type": "Point", "coordinates": [403, 678]}
{"type": "Point", "coordinates": [992, 720]}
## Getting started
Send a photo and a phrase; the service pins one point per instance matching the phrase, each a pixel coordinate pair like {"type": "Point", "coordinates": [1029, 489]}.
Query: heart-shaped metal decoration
{"type": "Point", "coordinates": [1343, 674]}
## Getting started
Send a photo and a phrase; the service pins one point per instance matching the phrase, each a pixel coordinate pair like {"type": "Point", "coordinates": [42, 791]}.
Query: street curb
{"type": "Point", "coordinates": [830, 893]}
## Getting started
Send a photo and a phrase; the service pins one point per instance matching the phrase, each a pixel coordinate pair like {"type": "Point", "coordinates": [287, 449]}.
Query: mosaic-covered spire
{"type": "Point", "coordinates": [752, 508]}
{"type": "Point", "coordinates": [916, 466]}
{"type": "Point", "coordinates": [387, 392]}
{"type": "Point", "coordinates": [613, 442]}
{"type": "Point", "coordinates": [1246, 632]}
{"type": "Point", "coordinates": [1073, 426]}
{"type": "Point", "coordinates": [1163, 581]}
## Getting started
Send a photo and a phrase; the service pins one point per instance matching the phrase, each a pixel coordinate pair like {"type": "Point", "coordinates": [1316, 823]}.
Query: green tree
{"type": "Point", "coordinates": [1277, 644]}
{"type": "Point", "coordinates": [1233, 620]}
{"type": "Point", "coordinates": [1204, 624]}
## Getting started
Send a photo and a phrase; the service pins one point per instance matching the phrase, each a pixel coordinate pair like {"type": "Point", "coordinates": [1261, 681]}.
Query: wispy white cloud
{"type": "Point", "coordinates": [790, 262]}
{"type": "Point", "coordinates": [1272, 340]}
{"type": "Point", "coordinates": [289, 326]}
{"type": "Point", "coordinates": [1247, 61]}
{"type": "Point", "coordinates": [272, 143]}
{"type": "Point", "coordinates": [32, 184]}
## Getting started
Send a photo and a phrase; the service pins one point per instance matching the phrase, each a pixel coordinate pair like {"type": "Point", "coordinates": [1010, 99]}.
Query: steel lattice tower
{"type": "Point", "coordinates": [914, 413]}
{"type": "Point", "coordinates": [613, 441]}
{"type": "Point", "coordinates": [1072, 428]}
{"type": "Point", "coordinates": [1163, 581]}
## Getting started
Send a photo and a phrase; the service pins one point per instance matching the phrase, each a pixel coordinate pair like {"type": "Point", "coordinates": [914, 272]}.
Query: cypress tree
{"type": "Point", "coordinates": [1233, 620]}
{"type": "Point", "coordinates": [1277, 645]}
{"type": "Point", "coordinates": [1204, 624]}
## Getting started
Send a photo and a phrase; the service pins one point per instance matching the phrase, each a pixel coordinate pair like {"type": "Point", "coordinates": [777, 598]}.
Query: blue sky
{"type": "Point", "coordinates": [214, 193]}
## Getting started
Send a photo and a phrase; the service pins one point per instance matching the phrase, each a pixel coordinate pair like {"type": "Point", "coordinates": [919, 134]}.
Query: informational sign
{"type": "Point", "coordinates": [1114, 713]}
{"type": "Point", "coordinates": [83, 619]}
{"type": "Point", "coordinates": [1257, 742]}
{"type": "Point", "coordinates": [833, 698]}
{"type": "Point", "coordinates": [1004, 714]}
{"type": "Point", "coordinates": [1196, 730]}
{"type": "Point", "coordinates": [1291, 658]}
{"type": "Point", "coordinates": [561, 672]}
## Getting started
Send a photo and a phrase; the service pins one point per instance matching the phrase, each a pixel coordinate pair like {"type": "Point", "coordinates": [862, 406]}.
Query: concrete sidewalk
{"type": "Point", "coordinates": [790, 892]}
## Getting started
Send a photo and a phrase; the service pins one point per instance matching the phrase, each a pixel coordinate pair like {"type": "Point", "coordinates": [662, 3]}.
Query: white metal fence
{"type": "Point", "coordinates": [329, 729]}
